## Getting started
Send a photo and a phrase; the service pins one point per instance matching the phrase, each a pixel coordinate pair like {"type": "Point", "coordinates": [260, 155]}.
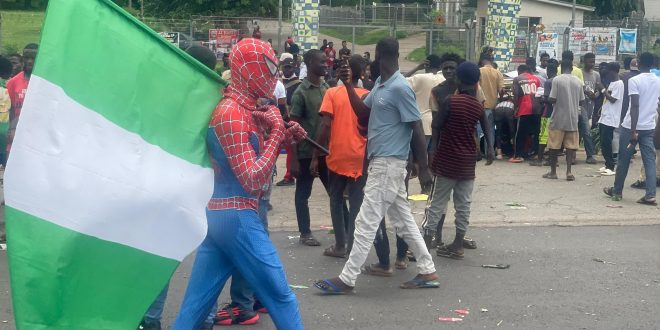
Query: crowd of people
{"type": "Point", "coordinates": [365, 129]}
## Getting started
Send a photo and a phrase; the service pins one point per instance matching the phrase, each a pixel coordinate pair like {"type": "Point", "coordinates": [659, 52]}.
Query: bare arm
{"type": "Point", "coordinates": [420, 155]}
{"type": "Point", "coordinates": [634, 112]}
{"type": "Point", "coordinates": [323, 134]}
{"type": "Point", "coordinates": [485, 126]}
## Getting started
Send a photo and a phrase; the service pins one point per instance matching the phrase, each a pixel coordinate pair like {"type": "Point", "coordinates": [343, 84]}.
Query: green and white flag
{"type": "Point", "coordinates": [108, 176]}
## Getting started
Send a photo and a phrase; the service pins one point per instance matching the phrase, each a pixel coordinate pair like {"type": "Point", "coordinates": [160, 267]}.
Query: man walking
{"type": "Point", "coordinates": [592, 88]}
{"type": "Point", "coordinates": [567, 96]}
{"type": "Point", "coordinates": [639, 127]}
{"type": "Point", "coordinates": [305, 105]}
{"type": "Point", "coordinates": [339, 131]}
{"type": "Point", "coordinates": [492, 83]}
{"type": "Point", "coordinates": [609, 117]}
{"type": "Point", "coordinates": [392, 119]}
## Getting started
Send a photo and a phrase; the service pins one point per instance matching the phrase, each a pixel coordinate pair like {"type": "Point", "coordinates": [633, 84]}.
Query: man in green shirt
{"type": "Point", "coordinates": [305, 104]}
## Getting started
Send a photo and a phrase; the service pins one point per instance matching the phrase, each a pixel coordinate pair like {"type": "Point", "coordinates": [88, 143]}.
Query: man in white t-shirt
{"type": "Point", "coordinates": [639, 127]}
{"type": "Point", "coordinates": [422, 84]}
{"type": "Point", "coordinates": [610, 116]}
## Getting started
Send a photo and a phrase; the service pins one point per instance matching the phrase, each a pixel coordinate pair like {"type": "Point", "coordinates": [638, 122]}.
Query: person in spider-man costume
{"type": "Point", "coordinates": [243, 162]}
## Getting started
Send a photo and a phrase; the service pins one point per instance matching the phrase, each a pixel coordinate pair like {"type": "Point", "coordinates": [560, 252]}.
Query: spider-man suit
{"type": "Point", "coordinates": [243, 161]}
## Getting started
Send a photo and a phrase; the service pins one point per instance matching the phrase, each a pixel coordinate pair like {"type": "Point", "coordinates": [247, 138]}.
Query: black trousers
{"type": "Point", "coordinates": [529, 125]}
{"type": "Point", "coordinates": [304, 184]}
{"type": "Point", "coordinates": [343, 218]}
{"type": "Point", "coordinates": [606, 136]}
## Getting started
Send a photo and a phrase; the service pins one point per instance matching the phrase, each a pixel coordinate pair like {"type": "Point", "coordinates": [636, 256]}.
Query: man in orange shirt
{"type": "Point", "coordinates": [339, 131]}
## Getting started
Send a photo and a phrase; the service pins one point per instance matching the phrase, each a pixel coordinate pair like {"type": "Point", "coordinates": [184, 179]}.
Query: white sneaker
{"type": "Point", "coordinates": [602, 169]}
{"type": "Point", "coordinates": [607, 172]}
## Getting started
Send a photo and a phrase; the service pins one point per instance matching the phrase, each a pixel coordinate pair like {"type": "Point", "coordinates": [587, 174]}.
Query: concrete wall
{"type": "Point", "coordinates": [652, 8]}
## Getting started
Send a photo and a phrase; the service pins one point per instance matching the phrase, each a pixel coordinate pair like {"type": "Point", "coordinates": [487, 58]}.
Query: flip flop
{"type": "Point", "coordinates": [649, 201]}
{"type": "Point", "coordinates": [374, 270]}
{"type": "Point", "coordinates": [570, 177]}
{"type": "Point", "coordinates": [331, 252]}
{"type": "Point", "coordinates": [329, 288]}
{"type": "Point", "coordinates": [549, 176]}
{"type": "Point", "coordinates": [419, 283]}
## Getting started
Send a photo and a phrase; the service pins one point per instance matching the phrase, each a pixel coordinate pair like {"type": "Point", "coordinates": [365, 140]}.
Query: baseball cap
{"type": "Point", "coordinates": [468, 73]}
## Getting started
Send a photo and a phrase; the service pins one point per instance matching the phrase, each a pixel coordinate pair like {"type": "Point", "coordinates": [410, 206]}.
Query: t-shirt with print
{"type": "Point", "coordinates": [526, 86]}
{"type": "Point", "coordinates": [305, 105]}
{"type": "Point", "coordinates": [567, 90]}
{"type": "Point", "coordinates": [610, 114]}
{"type": "Point", "coordinates": [647, 86]}
{"type": "Point", "coordinates": [422, 84]}
{"type": "Point", "coordinates": [456, 154]}
{"type": "Point", "coordinates": [393, 109]}
{"type": "Point", "coordinates": [17, 87]}
{"type": "Point", "coordinates": [591, 80]}
{"type": "Point", "coordinates": [347, 146]}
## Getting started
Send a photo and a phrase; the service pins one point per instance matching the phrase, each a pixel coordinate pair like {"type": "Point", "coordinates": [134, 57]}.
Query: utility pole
{"type": "Point", "coordinates": [279, 25]}
{"type": "Point", "coordinates": [573, 15]}
{"type": "Point", "coordinates": [130, 4]}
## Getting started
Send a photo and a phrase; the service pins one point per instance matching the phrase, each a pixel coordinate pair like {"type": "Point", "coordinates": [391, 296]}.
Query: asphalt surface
{"type": "Point", "coordinates": [553, 283]}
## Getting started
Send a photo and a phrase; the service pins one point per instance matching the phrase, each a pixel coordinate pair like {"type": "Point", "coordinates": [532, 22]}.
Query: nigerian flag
{"type": "Point", "coordinates": [108, 176]}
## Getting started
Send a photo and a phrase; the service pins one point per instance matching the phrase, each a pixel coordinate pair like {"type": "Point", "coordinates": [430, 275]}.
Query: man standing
{"type": "Point", "coordinates": [566, 94]}
{"type": "Point", "coordinates": [543, 68]}
{"type": "Point", "coordinates": [291, 82]}
{"type": "Point", "coordinates": [330, 55]}
{"type": "Point", "coordinates": [392, 119]}
{"type": "Point", "coordinates": [492, 83]}
{"type": "Point", "coordinates": [324, 45]}
{"type": "Point", "coordinates": [638, 127]}
{"type": "Point", "coordinates": [551, 70]}
{"type": "Point", "coordinates": [17, 87]}
{"type": "Point", "coordinates": [344, 51]}
{"type": "Point", "coordinates": [305, 105]}
{"type": "Point", "coordinates": [454, 163]}
{"type": "Point", "coordinates": [339, 131]}
{"type": "Point", "coordinates": [609, 117]}
{"type": "Point", "coordinates": [524, 91]}
{"type": "Point", "coordinates": [592, 88]}
{"type": "Point", "coordinates": [422, 84]}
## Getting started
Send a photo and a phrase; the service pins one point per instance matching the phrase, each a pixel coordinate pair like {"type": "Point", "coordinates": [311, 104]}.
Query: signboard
{"type": "Point", "coordinates": [578, 42]}
{"type": "Point", "coordinates": [628, 41]}
{"type": "Point", "coordinates": [520, 51]}
{"type": "Point", "coordinates": [172, 37]}
{"type": "Point", "coordinates": [222, 40]}
{"type": "Point", "coordinates": [603, 43]}
{"type": "Point", "coordinates": [306, 23]}
{"type": "Point", "coordinates": [501, 29]}
{"type": "Point", "coordinates": [547, 43]}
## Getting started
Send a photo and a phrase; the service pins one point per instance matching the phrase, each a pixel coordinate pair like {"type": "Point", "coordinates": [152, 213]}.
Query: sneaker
{"type": "Point", "coordinates": [602, 169]}
{"type": "Point", "coordinates": [607, 172]}
{"type": "Point", "coordinates": [259, 307]}
{"type": "Point", "coordinates": [591, 160]}
{"type": "Point", "coordinates": [232, 314]}
{"type": "Point", "coordinates": [638, 185]}
{"type": "Point", "coordinates": [286, 183]}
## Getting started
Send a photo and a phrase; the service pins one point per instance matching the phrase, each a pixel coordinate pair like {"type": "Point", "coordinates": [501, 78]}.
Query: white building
{"type": "Point", "coordinates": [652, 10]}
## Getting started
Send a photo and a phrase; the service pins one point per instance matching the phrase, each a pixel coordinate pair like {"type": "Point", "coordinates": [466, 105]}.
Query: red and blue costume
{"type": "Point", "coordinates": [243, 161]}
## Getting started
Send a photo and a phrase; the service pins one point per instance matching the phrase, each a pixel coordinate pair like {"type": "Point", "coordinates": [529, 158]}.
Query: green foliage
{"type": "Point", "coordinates": [9, 49]}
{"type": "Point", "coordinates": [20, 28]}
{"type": "Point", "coordinates": [612, 9]}
{"type": "Point", "coordinates": [363, 36]}
{"type": "Point", "coordinates": [417, 55]}
{"type": "Point", "coordinates": [449, 47]}
{"type": "Point", "coordinates": [183, 8]}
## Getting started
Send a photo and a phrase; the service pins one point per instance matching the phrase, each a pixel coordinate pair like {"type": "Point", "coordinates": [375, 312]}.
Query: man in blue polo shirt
{"type": "Point", "coordinates": [391, 116]}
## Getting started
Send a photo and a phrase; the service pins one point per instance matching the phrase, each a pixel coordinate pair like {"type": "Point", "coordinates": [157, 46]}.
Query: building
{"type": "Point", "coordinates": [652, 9]}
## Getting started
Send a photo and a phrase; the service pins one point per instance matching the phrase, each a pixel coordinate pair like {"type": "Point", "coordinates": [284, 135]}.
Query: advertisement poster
{"type": "Point", "coordinates": [603, 43]}
{"type": "Point", "coordinates": [628, 41]}
{"type": "Point", "coordinates": [502, 29]}
{"type": "Point", "coordinates": [547, 43]}
{"type": "Point", "coordinates": [519, 52]}
{"type": "Point", "coordinates": [306, 23]}
{"type": "Point", "coordinates": [172, 37]}
{"type": "Point", "coordinates": [222, 40]}
{"type": "Point", "coordinates": [578, 42]}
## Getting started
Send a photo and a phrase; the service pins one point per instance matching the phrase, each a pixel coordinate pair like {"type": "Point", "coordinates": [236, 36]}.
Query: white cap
{"type": "Point", "coordinates": [285, 56]}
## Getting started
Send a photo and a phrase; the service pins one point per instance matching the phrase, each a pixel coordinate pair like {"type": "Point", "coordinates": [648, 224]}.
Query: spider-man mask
{"type": "Point", "coordinates": [253, 69]}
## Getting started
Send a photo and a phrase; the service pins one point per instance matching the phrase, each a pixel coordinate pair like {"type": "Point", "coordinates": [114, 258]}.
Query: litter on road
{"type": "Point", "coordinates": [450, 319]}
{"type": "Point", "coordinates": [603, 261]}
{"type": "Point", "coordinates": [498, 266]}
{"type": "Point", "coordinates": [293, 286]}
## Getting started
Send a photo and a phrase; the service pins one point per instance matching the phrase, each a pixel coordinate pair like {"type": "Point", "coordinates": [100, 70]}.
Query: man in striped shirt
{"type": "Point", "coordinates": [455, 158]}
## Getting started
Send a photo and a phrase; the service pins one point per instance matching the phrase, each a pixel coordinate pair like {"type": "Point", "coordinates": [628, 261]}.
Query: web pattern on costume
{"type": "Point", "coordinates": [238, 126]}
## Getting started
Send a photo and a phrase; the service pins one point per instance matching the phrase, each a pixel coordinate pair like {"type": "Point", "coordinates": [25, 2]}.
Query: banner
{"type": "Point", "coordinates": [222, 40]}
{"type": "Point", "coordinates": [547, 43]}
{"type": "Point", "coordinates": [520, 51]}
{"type": "Point", "coordinates": [628, 41]}
{"type": "Point", "coordinates": [306, 23]}
{"type": "Point", "coordinates": [172, 37]}
{"type": "Point", "coordinates": [603, 43]}
{"type": "Point", "coordinates": [578, 42]}
{"type": "Point", "coordinates": [502, 28]}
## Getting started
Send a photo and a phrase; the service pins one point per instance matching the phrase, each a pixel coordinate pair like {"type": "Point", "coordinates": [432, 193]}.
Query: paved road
{"type": "Point", "coordinates": [553, 283]}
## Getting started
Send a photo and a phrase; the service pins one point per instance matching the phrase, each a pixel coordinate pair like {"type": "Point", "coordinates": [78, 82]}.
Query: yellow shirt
{"type": "Point", "coordinates": [422, 84]}
{"type": "Point", "coordinates": [492, 82]}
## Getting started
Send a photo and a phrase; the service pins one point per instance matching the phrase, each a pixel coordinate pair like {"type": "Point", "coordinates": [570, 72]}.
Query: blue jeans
{"type": "Point", "coordinates": [585, 134]}
{"type": "Point", "coordinates": [237, 241]}
{"type": "Point", "coordinates": [647, 149]}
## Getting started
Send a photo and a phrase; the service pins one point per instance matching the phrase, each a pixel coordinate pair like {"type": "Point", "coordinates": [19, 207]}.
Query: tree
{"type": "Point", "coordinates": [612, 9]}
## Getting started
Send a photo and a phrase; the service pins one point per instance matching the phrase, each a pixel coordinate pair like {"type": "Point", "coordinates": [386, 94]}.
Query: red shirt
{"type": "Point", "coordinates": [16, 87]}
{"type": "Point", "coordinates": [526, 86]}
{"type": "Point", "coordinates": [331, 54]}
{"type": "Point", "coordinates": [456, 155]}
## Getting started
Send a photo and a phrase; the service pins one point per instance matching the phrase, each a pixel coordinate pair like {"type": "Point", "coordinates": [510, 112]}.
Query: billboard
{"type": "Point", "coordinates": [502, 28]}
{"type": "Point", "coordinates": [172, 37]}
{"type": "Point", "coordinates": [306, 23]}
{"type": "Point", "coordinates": [222, 40]}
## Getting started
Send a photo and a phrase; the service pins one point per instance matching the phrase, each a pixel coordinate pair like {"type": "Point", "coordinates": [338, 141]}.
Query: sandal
{"type": "Point", "coordinates": [332, 252]}
{"type": "Point", "coordinates": [447, 252]}
{"type": "Point", "coordinates": [401, 264]}
{"type": "Point", "coordinates": [570, 177]}
{"type": "Point", "coordinates": [376, 270]}
{"type": "Point", "coordinates": [329, 288]}
{"type": "Point", "coordinates": [419, 283]}
{"type": "Point", "coordinates": [309, 240]}
{"type": "Point", "coordinates": [609, 191]}
{"type": "Point", "coordinates": [550, 176]}
{"type": "Point", "coordinates": [648, 201]}
{"type": "Point", "coordinates": [469, 243]}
